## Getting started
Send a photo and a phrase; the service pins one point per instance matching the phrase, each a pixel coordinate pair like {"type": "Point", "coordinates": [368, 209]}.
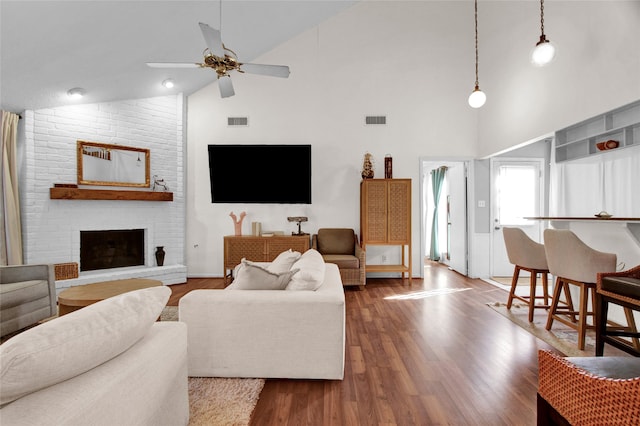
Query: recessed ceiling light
{"type": "Point", "coordinates": [168, 83]}
{"type": "Point", "coordinates": [76, 93]}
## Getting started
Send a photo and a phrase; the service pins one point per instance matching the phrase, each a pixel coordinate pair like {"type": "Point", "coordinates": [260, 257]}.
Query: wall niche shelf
{"type": "Point", "coordinates": [580, 140]}
{"type": "Point", "coordinates": [107, 194]}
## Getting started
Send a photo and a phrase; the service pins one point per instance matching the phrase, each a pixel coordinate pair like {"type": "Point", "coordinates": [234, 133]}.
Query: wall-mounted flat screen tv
{"type": "Point", "coordinates": [278, 174]}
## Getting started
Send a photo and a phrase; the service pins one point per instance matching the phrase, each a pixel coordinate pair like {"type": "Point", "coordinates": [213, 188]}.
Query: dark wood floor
{"type": "Point", "coordinates": [428, 354]}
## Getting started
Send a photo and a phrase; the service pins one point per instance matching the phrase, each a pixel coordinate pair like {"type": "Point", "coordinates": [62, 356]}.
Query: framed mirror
{"type": "Point", "coordinates": [112, 165]}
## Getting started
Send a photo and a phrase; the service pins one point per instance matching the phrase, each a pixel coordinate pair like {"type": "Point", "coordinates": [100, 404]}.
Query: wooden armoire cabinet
{"type": "Point", "coordinates": [385, 219]}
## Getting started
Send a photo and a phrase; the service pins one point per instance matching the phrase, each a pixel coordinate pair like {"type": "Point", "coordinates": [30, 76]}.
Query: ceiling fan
{"type": "Point", "coordinates": [223, 60]}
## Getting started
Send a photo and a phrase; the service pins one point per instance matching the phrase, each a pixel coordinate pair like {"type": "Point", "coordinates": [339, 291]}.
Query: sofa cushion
{"type": "Point", "coordinates": [284, 261]}
{"type": "Point", "coordinates": [344, 261]}
{"type": "Point", "coordinates": [624, 286]}
{"type": "Point", "coordinates": [311, 273]}
{"type": "Point", "coordinates": [14, 294]}
{"type": "Point", "coordinates": [77, 342]}
{"type": "Point", "coordinates": [253, 277]}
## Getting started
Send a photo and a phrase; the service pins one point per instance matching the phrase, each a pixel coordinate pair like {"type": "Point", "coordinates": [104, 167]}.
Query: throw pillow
{"type": "Point", "coordinates": [72, 344]}
{"type": "Point", "coordinates": [311, 274]}
{"type": "Point", "coordinates": [284, 261]}
{"type": "Point", "coordinates": [253, 277]}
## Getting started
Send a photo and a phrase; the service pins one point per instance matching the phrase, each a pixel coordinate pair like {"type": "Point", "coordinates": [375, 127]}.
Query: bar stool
{"type": "Point", "coordinates": [622, 289]}
{"type": "Point", "coordinates": [526, 255]}
{"type": "Point", "coordinates": [573, 262]}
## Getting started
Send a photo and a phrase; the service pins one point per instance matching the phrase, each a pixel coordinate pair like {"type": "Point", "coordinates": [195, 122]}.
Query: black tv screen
{"type": "Point", "coordinates": [279, 174]}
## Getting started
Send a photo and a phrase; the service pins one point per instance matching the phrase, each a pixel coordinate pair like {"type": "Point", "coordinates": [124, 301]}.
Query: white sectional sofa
{"type": "Point", "coordinates": [296, 334]}
{"type": "Point", "coordinates": [107, 364]}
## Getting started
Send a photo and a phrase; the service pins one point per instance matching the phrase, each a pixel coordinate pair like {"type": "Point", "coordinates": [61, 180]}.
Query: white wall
{"type": "Point", "coordinates": [376, 58]}
{"type": "Point", "coordinates": [412, 61]}
{"type": "Point", "coordinates": [51, 228]}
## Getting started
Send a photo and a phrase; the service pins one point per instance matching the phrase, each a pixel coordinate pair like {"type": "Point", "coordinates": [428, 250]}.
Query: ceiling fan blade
{"type": "Point", "coordinates": [174, 65]}
{"type": "Point", "coordinates": [271, 70]}
{"type": "Point", "coordinates": [213, 39]}
{"type": "Point", "coordinates": [226, 87]}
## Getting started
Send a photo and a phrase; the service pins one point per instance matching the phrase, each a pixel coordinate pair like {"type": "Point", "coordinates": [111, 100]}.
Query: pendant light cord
{"type": "Point", "coordinates": [542, 17]}
{"type": "Point", "coordinates": [476, 22]}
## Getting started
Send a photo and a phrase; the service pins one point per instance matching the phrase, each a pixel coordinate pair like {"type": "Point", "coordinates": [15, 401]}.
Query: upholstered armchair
{"type": "Point", "coordinates": [27, 295]}
{"type": "Point", "coordinates": [341, 246]}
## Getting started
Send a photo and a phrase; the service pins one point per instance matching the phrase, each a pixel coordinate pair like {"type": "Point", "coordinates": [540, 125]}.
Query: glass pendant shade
{"type": "Point", "coordinates": [543, 53]}
{"type": "Point", "coordinates": [477, 98]}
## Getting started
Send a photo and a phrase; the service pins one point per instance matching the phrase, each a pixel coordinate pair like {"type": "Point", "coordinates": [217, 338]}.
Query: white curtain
{"type": "Point", "coordinates": [608, 182]}
{"type": "Point", "coordinates": [10, 224]}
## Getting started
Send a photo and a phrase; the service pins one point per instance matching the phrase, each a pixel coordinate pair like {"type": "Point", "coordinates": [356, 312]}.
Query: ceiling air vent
{"type": "Point", "coordinates": [376, 119]}
{"type": "Point", "coordinates": [237, 121]}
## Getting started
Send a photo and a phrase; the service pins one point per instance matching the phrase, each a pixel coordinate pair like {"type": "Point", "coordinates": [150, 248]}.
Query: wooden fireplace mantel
{"type": "Point", "coordinates": [107, 194]}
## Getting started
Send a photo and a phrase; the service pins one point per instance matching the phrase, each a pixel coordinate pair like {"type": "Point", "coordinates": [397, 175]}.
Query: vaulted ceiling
{"type": "Point", "coordinates": [49, 47]}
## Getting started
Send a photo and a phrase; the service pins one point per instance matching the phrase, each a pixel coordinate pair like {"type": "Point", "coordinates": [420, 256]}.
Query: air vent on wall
{"type": "Point", "coordinates": [376, 119]}
{"type": "Point", "coordinates": [237, 121]}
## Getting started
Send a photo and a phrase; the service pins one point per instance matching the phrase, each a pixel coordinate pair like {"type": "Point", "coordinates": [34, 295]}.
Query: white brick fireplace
{"type": "Point", "coordinates": [51, 228]}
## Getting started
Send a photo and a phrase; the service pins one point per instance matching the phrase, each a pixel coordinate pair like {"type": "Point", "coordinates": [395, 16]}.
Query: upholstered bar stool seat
{"type": "Point", "coordinates": [526, 255]}
{"type": "Point", "coordinates": [623, 289]}
{"type": "Point", "coordinates": [573, 262]}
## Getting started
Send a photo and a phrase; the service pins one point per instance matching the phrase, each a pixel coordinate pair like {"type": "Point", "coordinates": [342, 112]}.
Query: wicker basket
{"type": "Point", "coordinates": [66, 271]}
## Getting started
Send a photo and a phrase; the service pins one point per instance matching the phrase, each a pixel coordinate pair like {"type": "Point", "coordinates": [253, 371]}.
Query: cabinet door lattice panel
{"type": "Point", "coordinates": [259, 249]}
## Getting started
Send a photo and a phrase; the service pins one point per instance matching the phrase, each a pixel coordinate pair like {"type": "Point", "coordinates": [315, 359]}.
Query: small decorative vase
{"type": "Point", "coordinates": [388, 167]}
{"type": "Point", "coordinates": [160, 255]}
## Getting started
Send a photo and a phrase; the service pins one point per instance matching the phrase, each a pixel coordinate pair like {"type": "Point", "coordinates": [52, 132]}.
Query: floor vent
{"type": "Point", "coordinates": [237, 121]}
{"type": "Point", "coordinates": [376, 119]}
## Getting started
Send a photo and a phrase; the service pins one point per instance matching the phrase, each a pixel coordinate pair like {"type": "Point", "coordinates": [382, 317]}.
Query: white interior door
{"type": "Point", "coordinates": [516, 193]}
{"type": "Point", "coordinates": [457, 214]}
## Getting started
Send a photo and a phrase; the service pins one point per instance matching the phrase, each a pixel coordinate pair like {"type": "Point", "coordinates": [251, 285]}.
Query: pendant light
{"type": "Point", "coordinates": [544, 51]}
{"type": "Point", "coordinates": [477, 98]}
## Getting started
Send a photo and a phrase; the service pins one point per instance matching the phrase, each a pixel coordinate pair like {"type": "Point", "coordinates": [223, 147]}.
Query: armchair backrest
{"type": "Point", "coordinates": [336, 240]}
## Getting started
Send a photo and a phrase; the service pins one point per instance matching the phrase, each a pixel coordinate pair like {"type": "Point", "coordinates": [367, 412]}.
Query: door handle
{"type": "Point", "coordinates": [497, 227]}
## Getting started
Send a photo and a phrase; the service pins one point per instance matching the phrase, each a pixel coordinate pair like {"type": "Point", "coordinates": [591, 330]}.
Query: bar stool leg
{"type": "Point", "coordinates": [514, 283]}
{"type": "Point", "coordinates": [532, 294]}
{"type": "Point", "coordinates": [582, 315]}
{"type": "Point", "coordinates": [631, 325]}
{"type": "Point", "coordinates": [554, 302]}
{"type": "Point", "coordinates": [602, 308]}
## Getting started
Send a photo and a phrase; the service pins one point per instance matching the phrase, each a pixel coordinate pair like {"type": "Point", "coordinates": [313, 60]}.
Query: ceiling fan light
{"type": "Point", "coordinates": [477, 98]}
{"type": "Point", "coordinates": [76, 93]}
{"type": "Point", "coordinates": [168, 83]}
{"type": "Point", "coordinates": [543, 52]}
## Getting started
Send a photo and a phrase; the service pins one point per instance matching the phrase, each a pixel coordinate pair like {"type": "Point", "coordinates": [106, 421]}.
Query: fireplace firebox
{"type": "Point", "coordinates": [111, 249]}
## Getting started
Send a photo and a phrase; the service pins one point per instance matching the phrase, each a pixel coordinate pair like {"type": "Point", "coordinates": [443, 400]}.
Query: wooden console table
{"type": "Point", "coordinates": [259, 249]}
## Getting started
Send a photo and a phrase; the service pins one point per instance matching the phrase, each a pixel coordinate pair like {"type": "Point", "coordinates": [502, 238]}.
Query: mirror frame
{"type": "Point", "coordinates": [147, 162]}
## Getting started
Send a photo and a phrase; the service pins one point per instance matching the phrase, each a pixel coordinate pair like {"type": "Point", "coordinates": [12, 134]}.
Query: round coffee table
{"type": "Point", "coordinates": [77, 297]}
